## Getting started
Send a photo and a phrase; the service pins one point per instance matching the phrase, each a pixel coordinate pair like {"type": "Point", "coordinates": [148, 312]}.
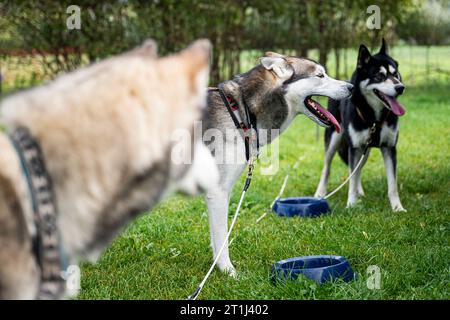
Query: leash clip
{"type": "Point", "coordinates": [250, 169]}
{"type": "Point", "coordinates": [249, 174]}
{"type": "Point", "coordinates": [373, 128]}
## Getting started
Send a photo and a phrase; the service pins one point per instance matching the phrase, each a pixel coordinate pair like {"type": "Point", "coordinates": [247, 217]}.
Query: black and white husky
{"type": "Point", "coordinates": [373, 105]}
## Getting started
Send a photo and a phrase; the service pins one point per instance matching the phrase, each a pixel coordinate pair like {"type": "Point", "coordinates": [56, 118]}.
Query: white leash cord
{"type": "Point", "coordinates": [196, 293]}
{"type": "Point", "coordinates": [347, 180]}
{"type": "Point", "coordinates": [283, 186]}
{"type": "Point", "coordinates": [278, 197]}
{"type": "Point", "coordinates": [326, 197]}
{"type": "Point", "coordinates": [199, 289]}
{"type": "Point", "coordinates": [365, 150]}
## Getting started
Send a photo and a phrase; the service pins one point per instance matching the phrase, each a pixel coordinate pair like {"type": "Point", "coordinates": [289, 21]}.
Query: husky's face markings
{"type": "Point", "coordinates": [381, 81]}
{"type": "Point", "coordinates": [302, 79]}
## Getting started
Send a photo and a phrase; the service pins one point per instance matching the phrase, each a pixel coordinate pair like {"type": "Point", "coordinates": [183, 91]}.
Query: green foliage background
{"type": "Point", "coordinates": [289, 26]}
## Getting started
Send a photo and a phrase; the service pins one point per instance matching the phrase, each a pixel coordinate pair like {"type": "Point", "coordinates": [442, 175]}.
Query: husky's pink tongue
{"type": "Point", "coordinates": [396, 107]}
{"type": "Point", "coordinates": [330, 117]}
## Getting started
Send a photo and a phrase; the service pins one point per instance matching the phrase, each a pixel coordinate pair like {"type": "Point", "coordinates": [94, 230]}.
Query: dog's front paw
{"type": "Point", "coordinates": [398, 208]}
{"type": "Point", "coordinates": [320, 193]}
{"type": "Point", "coordinates": [352, 202]}
{"type": "Point", "coordinates": [232, 273]}
{"type": "Point", "coordinates": [361, 191]}
{"type": "Point", "coordinates": [229, 270]}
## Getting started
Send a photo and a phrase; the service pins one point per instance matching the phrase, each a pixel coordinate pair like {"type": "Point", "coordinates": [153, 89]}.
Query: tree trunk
{"type": "Point", "coordinates": [322, 45]}
{"type": "Point", "coordinates": [428, 63]}
{"type": "Point", "coordinates": [337, 57]}
{"type": "Point", "coordinates": [215, 63]}
{"type": "Point", "coordinates": [302, 52]}
{"type": "Point", "coordinates": [345, 62]}
{"type": "Point", "coordinates": [323, 56]}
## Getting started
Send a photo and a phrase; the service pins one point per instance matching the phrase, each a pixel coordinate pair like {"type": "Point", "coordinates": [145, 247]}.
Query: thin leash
{"type": "Point", "coordinates": [372, 130]}
{"type": "Point", "coordinates": [199, 289]}
{"type": "Point", "coordinates": [366, 148]}
{"type": "Point", "coordinates": [348, 178]}
{"type": "Point", "coordinates": [283, 186]}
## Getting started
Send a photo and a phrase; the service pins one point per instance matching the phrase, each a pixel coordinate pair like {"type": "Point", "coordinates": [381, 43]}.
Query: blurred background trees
{"type": "Point", "coordinates": [321, 29]}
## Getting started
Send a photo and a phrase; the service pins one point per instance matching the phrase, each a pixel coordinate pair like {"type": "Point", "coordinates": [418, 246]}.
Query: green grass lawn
{"type": "Point", "coordinates": [165, 254]}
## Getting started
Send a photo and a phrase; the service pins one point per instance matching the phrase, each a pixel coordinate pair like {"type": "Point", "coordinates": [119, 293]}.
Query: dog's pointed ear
{"type": "Point", "coordinates": [149, 49]}
{"type": "Point", "coordinates": [384, 48]}
{"type": "Point", "coordinates": [198, 58]}
{"type": "Point", "coordinates": [363, 56]}
{"type": "Point", "coordinates": [271, 54]}
{"type": "Point", "coordinates": [278, 64]}
{"type": "Point", "coordinates": [200, 53]}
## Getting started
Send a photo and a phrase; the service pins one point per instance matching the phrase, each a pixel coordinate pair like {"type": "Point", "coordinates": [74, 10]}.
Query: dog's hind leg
{"type": "Point", "coordinates": [390, 163]}
{"type": "Point", "coordinates": [355, 155]}
{"type": "Point", "coordinates": [331, 147]}
{"type": "Point", "coordinates": [359, 187]}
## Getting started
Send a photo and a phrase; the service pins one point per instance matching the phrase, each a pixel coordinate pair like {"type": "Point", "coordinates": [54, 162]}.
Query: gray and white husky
{"type": "Point", "coordinates": [275, 91]}
{"type": "Point", "coordinates": [373, 104]}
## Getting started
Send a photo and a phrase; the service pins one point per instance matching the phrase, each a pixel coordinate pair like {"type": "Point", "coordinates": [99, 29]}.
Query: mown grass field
{"type": "Point", "coordinates": [165, 254]}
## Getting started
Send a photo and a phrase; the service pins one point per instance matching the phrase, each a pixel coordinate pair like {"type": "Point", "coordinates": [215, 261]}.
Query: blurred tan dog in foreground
{"type": "Point", "coordinates": [88, 152]}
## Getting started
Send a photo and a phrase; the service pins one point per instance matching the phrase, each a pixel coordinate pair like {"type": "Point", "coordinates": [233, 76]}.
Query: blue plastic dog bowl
{"type": "Point", "coordinates": [317, 268]}
{"type": "Point", "coordinates": [300, 206]}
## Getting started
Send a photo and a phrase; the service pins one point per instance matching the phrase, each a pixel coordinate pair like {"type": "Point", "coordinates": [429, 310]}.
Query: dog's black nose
{"type": "Point", "coordinates": [350, 87]}
{"type": "Point", "coordinates": [399, 89]}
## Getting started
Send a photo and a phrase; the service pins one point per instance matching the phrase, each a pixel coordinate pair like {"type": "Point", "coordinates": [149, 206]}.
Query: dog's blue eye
{"type": "Point", "coordinates": [321, 75]}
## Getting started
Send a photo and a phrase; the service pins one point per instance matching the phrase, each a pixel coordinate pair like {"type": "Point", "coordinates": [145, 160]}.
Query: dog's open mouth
{"type": "Point", "coordinates": [391, 103]}
{"type": "Point", "coordinates": [321, 114]}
